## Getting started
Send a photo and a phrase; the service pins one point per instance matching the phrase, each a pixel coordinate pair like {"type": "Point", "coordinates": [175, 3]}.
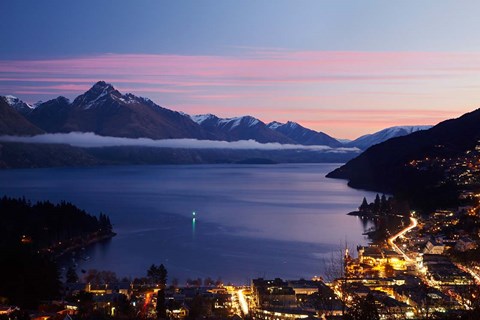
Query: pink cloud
{"type": "Point", "coordinates": [349, 88]}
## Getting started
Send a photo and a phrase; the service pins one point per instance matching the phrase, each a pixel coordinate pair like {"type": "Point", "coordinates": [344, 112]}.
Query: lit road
{"type": "Point", "coordinates": [391, 240]}
{"type": "Point", "coordinates": [243, 302]}
{"type": "Point", "coordinates": [472, 272]}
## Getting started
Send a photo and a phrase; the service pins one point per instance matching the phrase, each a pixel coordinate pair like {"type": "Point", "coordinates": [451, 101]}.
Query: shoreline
{"type": "Point", "coordinates": [91, 240]}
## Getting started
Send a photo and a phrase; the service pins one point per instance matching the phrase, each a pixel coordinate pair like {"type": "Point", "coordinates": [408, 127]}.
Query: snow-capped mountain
{"type": "Point", "coordinates": [239, 128]}
{"type": "Point", "coordinates": [105, 111]}
{"type": "Point", "coordinates": [17, 104]}
{"type": "Point", "coordinates": [12, 122]}
{"type": "Point", "coordinates": [368, 140]}
{"type": "Point", "coordinates": [302, 135]}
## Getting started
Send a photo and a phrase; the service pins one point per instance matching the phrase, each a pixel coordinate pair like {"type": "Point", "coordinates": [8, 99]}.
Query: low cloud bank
{"type": "Point", "coordinates": [91, 140]}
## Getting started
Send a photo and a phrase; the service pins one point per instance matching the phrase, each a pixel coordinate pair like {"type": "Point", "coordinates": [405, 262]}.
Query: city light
{"type": "Point", "coordinates": [242, 301]}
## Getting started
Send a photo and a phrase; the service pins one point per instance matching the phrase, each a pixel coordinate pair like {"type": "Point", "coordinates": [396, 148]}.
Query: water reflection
{"type": "Point", "coordinates": [273, 221]}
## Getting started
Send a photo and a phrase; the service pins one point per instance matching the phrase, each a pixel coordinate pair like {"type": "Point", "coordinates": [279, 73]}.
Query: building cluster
{"type": "Point", "coordinates": [418, 271]}
{"type": "Point", "coordinates": [288, 300]}
{"type": "Point", "coordinates": [463, 170]}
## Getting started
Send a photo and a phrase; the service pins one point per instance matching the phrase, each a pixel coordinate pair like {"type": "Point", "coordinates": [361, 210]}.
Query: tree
{"type": "Point", "coordinates": [161, 308]}
{"type": "Point", "coordinates": [199, 307]}
{"type": "Point", "coordinates": [71, 275]}
{"type": "Point", "coordinates": [363, 309]}
{"type": "Point", "coordinates": [208, 282]}
{"type": "Point", "coordinates": [100, 277]}
{"type": "Point", "coordinates": [384, 205]}
{"type": "Point", "coordinates": [364, 205]}
{"type": "Point", "coordinates": [158, 275]}
{"type": "Point", "coordinates": [377, 204]}
{"type": "Point", "coordinates": [336, 271]}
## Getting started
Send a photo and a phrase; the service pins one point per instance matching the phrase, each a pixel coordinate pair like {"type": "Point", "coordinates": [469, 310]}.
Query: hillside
{"type": "Point", "coordinates": [13, 123]}
{"type": "Point", "coordinates": [386, 166]}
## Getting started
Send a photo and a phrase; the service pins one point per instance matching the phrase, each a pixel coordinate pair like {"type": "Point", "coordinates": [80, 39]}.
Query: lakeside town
{"type": "Point", "coordinates": [415, 267]}
{"type": "Point", "coordinates": [422, 271]}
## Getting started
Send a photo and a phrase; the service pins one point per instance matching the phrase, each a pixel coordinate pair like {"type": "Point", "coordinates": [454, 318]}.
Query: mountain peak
{"type": "Point", "coordinates": [292, 124]}
{"type": "Point", "coordinates": [200, 118]}
{"type": "Point", "coordinates": [18, 104]}
{"type": "Point", "coordinates": [101, 87]}
{"type": "Point", "coordinates": [97, 93]}
{"type": "Point", "coordinates": [234, 122]}
{"type": "Point", "coordinates": [274, 125]}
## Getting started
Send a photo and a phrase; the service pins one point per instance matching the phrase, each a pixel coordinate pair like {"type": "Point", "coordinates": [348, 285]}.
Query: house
{"type": "Point", "coordinates": [465, 244]}
{"type": "Point", "coordinates": [434, 247]}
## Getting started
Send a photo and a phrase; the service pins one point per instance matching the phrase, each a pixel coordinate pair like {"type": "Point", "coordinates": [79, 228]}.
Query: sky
{"type": "Point", "coordinates": [346, 68]}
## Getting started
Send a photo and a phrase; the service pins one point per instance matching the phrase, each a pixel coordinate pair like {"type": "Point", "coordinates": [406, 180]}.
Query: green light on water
{"type": "Point", "coordinates": [193, 227]}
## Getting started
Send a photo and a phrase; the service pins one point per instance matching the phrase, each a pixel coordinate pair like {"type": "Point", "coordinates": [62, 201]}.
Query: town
{"type": "Point", "coordinates": [416, 266]}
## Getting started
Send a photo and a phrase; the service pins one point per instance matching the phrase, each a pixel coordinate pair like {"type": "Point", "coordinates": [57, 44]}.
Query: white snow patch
{"type": "Point", "coordinates": [200, 118]}
{"type": "Point", "coordinates": [16, 103]}
{"type": "Point", "coordinates": [274, 125]}
{"type": "Point", "coordinates": [93, 103]}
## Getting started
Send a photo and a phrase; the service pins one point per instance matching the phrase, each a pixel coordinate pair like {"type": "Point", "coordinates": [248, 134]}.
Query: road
{"type": "Point", "coordinates": [391, 240]}
{"type": "Point", "coordinates": [243, 302]}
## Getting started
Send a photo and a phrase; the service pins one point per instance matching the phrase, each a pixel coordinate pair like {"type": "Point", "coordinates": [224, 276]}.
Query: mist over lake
{"type": "Point", "coordinates": [250, 220]}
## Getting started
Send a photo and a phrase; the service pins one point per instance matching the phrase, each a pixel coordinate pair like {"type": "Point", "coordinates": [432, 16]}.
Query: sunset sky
{"type": "Point", "coordinates": [346, 68]}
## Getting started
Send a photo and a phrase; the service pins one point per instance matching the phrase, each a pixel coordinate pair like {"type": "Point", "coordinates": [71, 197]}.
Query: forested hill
{"type": "Point", "coordinates": [49, 227]}
{"type": "Point", "coordinates": [32, 235]}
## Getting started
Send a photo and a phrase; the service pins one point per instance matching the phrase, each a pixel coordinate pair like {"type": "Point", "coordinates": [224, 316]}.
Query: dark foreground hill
{"type": "Point", "coordinates": [385, 166]}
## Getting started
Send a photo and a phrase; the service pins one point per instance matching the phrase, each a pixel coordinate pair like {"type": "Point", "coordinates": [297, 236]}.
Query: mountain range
{"type": "Point", "coordinates": [105, 111]}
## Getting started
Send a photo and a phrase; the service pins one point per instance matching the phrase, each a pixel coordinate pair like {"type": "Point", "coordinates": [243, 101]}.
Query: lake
{"type": "Point", "coordinates": [250, 220]}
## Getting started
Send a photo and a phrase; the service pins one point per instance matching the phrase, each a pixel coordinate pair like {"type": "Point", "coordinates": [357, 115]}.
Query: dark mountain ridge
{"type": "Point", "coordinates": [304, 136]}
{"type": "Point", "coordinates": [384, 167]}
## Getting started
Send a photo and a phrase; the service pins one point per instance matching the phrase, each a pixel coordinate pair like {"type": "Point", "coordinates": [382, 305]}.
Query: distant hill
{"type": "Point", "coordinates": [384, 167]}
{"type": "Point", "coordinates": [34, 155]}
{"type": "Point", "coordinates": [368, 140]}
{"type": "Point", "coordinates": [302, 135]}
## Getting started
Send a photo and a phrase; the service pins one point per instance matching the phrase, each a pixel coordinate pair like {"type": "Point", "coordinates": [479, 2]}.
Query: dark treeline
{"type": "Point", "coordinates": [45, 224]}
{"type": "Point", "coordinates": [31, 236]}
{"type": "Point", "coordinates": [384, 206]}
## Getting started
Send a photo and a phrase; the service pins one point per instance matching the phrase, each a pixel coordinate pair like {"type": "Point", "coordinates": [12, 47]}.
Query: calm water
{"type": "Point", "coordinates": [251, 220]}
